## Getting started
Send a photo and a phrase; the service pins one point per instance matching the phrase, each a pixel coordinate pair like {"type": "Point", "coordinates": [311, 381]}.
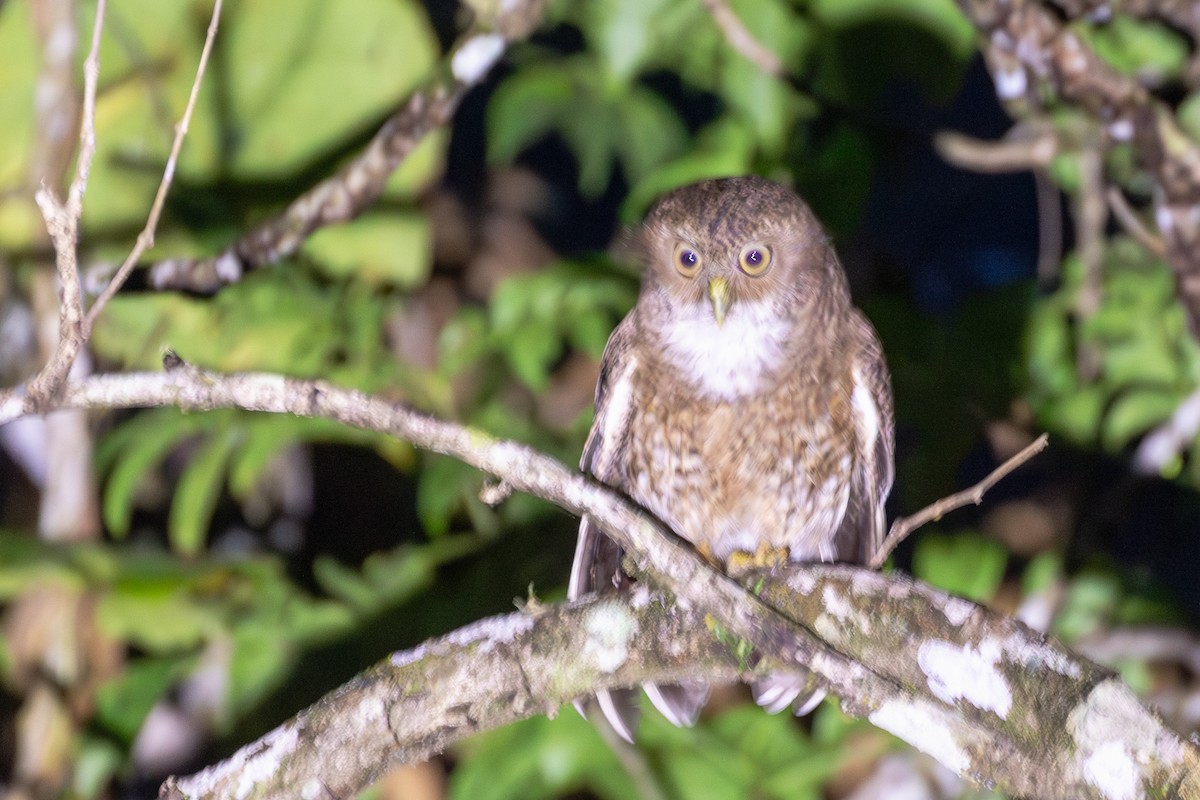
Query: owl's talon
{"type": "Point", "coordinates": [765, 557]}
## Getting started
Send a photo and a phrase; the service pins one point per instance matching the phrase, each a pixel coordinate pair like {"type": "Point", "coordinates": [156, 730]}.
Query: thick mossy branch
{"type": "Point", "coordinates": [980, 692]}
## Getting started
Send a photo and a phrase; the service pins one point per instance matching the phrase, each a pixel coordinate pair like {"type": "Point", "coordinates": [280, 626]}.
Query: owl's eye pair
{"type": "Point", "coordinates": [753, 260]}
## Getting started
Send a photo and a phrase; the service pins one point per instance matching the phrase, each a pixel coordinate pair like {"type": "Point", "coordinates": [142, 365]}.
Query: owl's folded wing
{"type": "Point", "coordinates": [874, 427]}
{"type": "Point", "coordinates": [597, 565]}
{"type": "Point", "coordinates": [597, 559]}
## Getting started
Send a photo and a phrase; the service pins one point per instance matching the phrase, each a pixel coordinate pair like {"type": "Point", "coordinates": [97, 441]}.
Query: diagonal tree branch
{"type": "Point", "coordinates": [980, 692]}
{"type": "Point", "coordinates": [357, 185]}
{"type": "Point", "coordinates": [145, 239]}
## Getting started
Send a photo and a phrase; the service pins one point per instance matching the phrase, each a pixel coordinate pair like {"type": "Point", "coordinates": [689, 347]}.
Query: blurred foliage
{"type": "Point", "coordinates": [644, 95]}
{"type": "Point", "coordinates": [1146, 361]}
{"type": "Point", "coordinates": [736, 753]}
{"type": "Point", "coordinates": [238, 618]}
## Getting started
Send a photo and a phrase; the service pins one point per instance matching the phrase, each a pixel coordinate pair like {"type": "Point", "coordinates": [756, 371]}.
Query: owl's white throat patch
{"type": "Point", "coordinates": [729, 360]}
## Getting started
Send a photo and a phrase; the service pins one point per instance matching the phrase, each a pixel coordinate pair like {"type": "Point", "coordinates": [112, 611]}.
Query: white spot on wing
{"type": "Point", "coordinates": [866, 412]}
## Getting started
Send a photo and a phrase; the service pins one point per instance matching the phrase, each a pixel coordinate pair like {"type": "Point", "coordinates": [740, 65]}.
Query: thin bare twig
{"type": "Point", "coordinates": [1050, 225]}
{"type": "Point", "coordinates": [1012, 154]}
{"type": "Point", "coordinates": [903, 526]}
{"type": "Point", "coordinates": [742, 40]}
{"type": "Point", "coordinates": [62, 223]}
{"type": "Point", "coordinates": [345, 195]}
{"type": "Point", "coordinates": [1091, 216]}
{"type": "Point", "coordinates": [145, 239]}
{"type": "Point", "coordinates": [1119, 205]}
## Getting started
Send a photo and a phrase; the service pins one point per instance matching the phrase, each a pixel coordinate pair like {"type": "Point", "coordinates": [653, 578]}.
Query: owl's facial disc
{"type": "Point", "coordinates": [720, 296]}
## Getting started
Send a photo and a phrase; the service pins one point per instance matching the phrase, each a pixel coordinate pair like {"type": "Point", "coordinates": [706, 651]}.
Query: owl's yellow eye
{"type": "Point", "coordinates": [754, 259]}
{"type": "Point", "coordinates": [687, 260]}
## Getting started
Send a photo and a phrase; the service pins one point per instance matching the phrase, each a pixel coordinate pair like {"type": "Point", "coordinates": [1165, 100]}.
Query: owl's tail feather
{"type": "Point", "coordinates": [782, 689]}
{"type": "Point", "coordinates": [679, 703]}
{"type": "Point", "coordinates": [620, 708]}
{"type": "Point", "coordinates": [597, 567]}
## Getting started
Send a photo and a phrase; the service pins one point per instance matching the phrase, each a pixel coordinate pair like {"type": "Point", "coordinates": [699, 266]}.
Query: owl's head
{"type": "Point", "coordinates": [735, 244]}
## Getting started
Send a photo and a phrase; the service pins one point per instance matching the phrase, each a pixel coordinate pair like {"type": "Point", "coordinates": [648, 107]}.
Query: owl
{"type": "Point", "coordinates": [745, 402]}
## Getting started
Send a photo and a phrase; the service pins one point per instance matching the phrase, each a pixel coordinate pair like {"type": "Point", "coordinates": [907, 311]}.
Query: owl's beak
{"type": "Point", "coordinates": [718, 293]}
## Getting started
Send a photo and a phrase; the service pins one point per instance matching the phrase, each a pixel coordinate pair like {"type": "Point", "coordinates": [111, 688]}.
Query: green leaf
{"type": "Point", "coordinates": [158, 616]}
{"type": "Point", "coordinates": [20, 225]}
{"type": "Point", "coordinates": [443, 486]}
{"type": "Point", "coordinates": [1064, 170]}
{"type": "Point", "coordinates": [1187, 114]}
{"type": "Point", "coordinates": [1143, 360]}
{"type": "Point", "coordinates": [766, 102]}
{"type": "Point", "coordinates": [262, 437]}
{"type": "Point", "coordinates": [625, 34]}
{"type": "Point", "coordinates": [1136, 411]}
{"type": "Point", "coordinates": [1049, 354]}
{"type": "Point", "coordinates": [525, 107]}
{"type": "Point", "coordinates": [723, 147]}
{"type": "Point", "coordinates": [531, 350]}
{"type": "Point", "coordinates": [844, 158]}
{"type": "Point", "coordinates": [1076, 416]}
{"type": "Point", "coordinates": [653, 132]}
{"type": "Point", "coordinates": [199, 489]}
{"type": "Point", "coordinates": [312, 622]}
{"type": "Point", "coordinates": [1091, 600]}
{"type": "Point", "coordinates": [1042, 573]}
{"type": "Point", "coordinates": [360, 59]}
{"type": "Point", "coordinates": [1146, 49]}
{"type": "Point", "coordinates": [96, 763]}
{"type": "Point", "coordinates": [147, 439]}
{"type": "Point", "coordinates": [382, 248]}
{"type": "Point", "coordinates": [593, 136]}
{"type": "Point", "coordinates": [122, 704]}
{"type": "Point", "coordinates": [345, 584]}
{"type": "Point", "coordinates": [539, 758]}
{"type": "Point", "coordinates": [712, 775]}
{"type": "Point", "coordinates": [966, 564]}
{"type": "Point", "coordinates": [940, 17]}
{"type": "Point", "coordinates": [135, 330]}
{"type": "Point", "coordinates": [262, 656]}
{"type": "Point", "coordinates": [28, 562]}
{"type": "Point", "coordinates": [397, 575]}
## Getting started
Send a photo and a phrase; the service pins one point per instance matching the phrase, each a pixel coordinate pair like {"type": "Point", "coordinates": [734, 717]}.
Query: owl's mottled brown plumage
{"type": "Point", "coordinates": [747, 411]}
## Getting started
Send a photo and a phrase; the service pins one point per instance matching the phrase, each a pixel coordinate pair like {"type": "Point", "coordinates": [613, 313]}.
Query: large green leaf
{"type": "Point", "coordinates": [357, 59]}
{"type": "Point", "coordinates": [380, 248]}
{"type": "Point", "coordinates": [199, 488]}
{"type": "Point", "coordinates": [1146, 49]}
{"type": "Point", "coordinates": [123, 703]}
{"type": "Point", "coordinates": [965, 564]}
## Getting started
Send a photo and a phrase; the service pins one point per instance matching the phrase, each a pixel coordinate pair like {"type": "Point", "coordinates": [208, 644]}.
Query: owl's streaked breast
{"type": "Point", "coordinates": [733, 474]}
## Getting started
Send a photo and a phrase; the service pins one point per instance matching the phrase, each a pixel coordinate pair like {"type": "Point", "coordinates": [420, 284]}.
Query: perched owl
{"type": "Point", "coordinates": [744, 401]}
